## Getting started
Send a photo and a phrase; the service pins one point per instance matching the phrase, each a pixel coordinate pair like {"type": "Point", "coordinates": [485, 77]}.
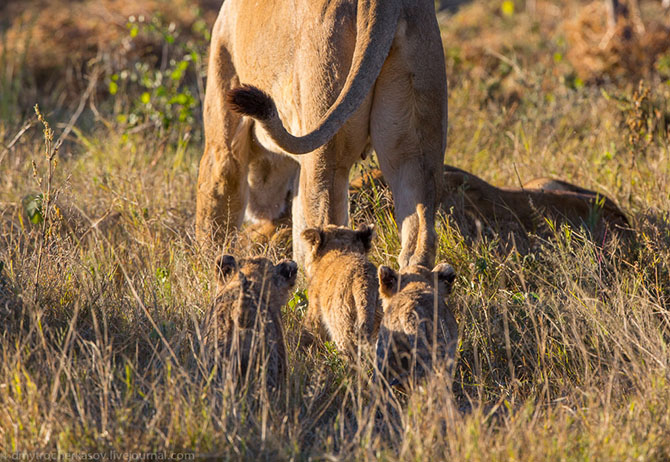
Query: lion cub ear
{"type": "Point", "coordinates": [225, 265]}
{"type": "Point", "coordinates": [388, 281]}
{"type": "Point", "coordinates": [312, 237]}
{"type": "Point", "coordinates": [365, 233]}
{"type": "Point", "coordinates": [445, 275]}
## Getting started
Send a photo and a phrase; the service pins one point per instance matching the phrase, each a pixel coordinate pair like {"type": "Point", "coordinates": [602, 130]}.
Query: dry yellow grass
{"type": "Point", "coordinates": [564, 351]}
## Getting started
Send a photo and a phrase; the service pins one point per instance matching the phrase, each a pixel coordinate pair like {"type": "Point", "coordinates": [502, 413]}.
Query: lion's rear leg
{"type": "Point", "coordinates": [408, 132]}
{"type": "Point", "coordinates": [222, 192]}
{"type": "Point", "coordinates": [323, 193]}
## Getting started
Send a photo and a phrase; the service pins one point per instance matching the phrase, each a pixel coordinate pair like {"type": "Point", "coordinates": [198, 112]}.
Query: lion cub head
{"type": "Point", "coordinates": [343, 299]}
{"type": "Point", "coordinates": [245, 320]}
{"type": "Point", "coordinates": [335, 239]}
{"type": "Point", "coordinates": [418, 331]}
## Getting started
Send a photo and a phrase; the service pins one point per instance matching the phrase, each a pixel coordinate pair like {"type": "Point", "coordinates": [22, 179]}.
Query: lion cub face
{"type": "Point", "coordinates": [418, 331]}
{"type": "Point", "coordinates": [343, 299]}
{"type": "Point", "coordinates": [245, 320]}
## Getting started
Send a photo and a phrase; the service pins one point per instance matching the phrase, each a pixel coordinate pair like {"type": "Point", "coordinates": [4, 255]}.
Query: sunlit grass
{"type": "Point", "coordinates": [563, 350]}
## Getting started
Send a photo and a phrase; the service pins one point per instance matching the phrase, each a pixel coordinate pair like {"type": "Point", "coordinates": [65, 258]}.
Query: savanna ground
{"type": "Point", "coordinates": [564, 350]}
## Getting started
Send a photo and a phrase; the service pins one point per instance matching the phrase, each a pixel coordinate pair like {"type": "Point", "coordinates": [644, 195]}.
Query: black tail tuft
{"type": "Point", "coordinates": [251, 101]}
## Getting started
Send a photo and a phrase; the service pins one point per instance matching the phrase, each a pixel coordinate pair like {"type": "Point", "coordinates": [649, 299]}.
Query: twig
{"type": "Point", "coordinates": [50, 155]}
{"type": "Point", "coordinates": [15, 140]}
{"type": "Point", "coordinates": [508, 61]}
{"type": "Point", "coordinates": [518, 178]}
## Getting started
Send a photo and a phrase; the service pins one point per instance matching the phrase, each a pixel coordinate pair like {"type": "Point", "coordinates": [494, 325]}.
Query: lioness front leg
{"type": "Point", "coordinates": [408, 126]}
{"type": "Point", "coordinates": [222, 178]}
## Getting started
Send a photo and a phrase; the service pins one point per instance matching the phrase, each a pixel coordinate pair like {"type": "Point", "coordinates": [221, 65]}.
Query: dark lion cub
{"type": "Point", "coordinates": [245, 321]}
{"type": "Point", "coordinates": [418, 333]}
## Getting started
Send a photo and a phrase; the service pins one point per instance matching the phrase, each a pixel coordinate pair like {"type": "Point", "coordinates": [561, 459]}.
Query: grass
{"type": "Point", "coordinates": [564, 350]}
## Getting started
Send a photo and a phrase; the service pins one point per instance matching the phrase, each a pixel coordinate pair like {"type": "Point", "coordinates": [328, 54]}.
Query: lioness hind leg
{"type": "Point", "coordinates": [408, 132]}
{"type": "Point", "coordinates": [322, 197]}
{"type": "Point", "coordinates": [222, 178]}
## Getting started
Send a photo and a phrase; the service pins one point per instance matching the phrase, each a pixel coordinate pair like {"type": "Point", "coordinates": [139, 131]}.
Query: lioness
{"type": "Point", "coordinates": [552, 184]}
{"type": "Point", "coordinates": [323, 78]}
{"type": "Point", "coordinates": [343, 298]}
{"type": "Point", "coordinates": [244, 322]}
{"type": "Point", "coordinates": [528, 206]}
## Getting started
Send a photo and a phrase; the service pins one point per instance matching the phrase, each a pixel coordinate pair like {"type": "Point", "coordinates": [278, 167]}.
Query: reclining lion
{"type": "Point", "coordinates": [322, 78]}
{"type": "Point", "coordinates": [519, 210]}
{"type": "Point", "coordinates": [529, 206]}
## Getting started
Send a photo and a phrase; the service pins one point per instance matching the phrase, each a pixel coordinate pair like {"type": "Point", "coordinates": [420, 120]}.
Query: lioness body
{"type": "Point", "coordinates": [245, 321]}
{"type": "Point", "coordinates": [343, 299]}
{"type": "Point", "coordinates": [337, 74]}
{"type": "Point", "coordinates": [552, 184]}
{"type": "Point", "coordinates": [528, 205]}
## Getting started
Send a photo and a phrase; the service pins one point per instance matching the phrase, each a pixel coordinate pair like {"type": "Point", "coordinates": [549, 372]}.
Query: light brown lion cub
{"type": "Point", "coordinates": [245, 321]}
{"type": "Point", "coordinates": [343, 300]}
{"type": "Point", "coordinates": [418, 332]}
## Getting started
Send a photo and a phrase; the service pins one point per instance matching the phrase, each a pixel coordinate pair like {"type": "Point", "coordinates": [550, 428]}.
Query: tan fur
{"type": "Point", "coordinates": [337, 75]}
{"type": "Point", "coordinates": [365, 180]}
{"type": "Point", "coordinates": [245, 321]}
{"type": "Point", "coordinates": [275, 234]}
{"type": "Point", "coordinates": [561, 201]}
{"type": "Point", "coordinates": [552, 184]}
{"type": "Point", "coordinates": [523, 209]}
{"type": "Point", "coordinates": [343, 300]}
{"type": "Point", "coordinates": [418, 332]}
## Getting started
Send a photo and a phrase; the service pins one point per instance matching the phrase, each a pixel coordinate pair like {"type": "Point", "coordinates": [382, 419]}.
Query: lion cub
{"type": "Point", "coordinates": [417, 323]}
{"type": "Point", "coordinates": [418, 332]}
{"type": "Point", "coordinates": [245, 320]}
{"type": "Point", "coordinates": [343, 299]}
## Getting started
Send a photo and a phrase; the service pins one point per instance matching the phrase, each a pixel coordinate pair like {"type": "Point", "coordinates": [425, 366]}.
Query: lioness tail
{"type": "Point", "coordinates": [376, 25]}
